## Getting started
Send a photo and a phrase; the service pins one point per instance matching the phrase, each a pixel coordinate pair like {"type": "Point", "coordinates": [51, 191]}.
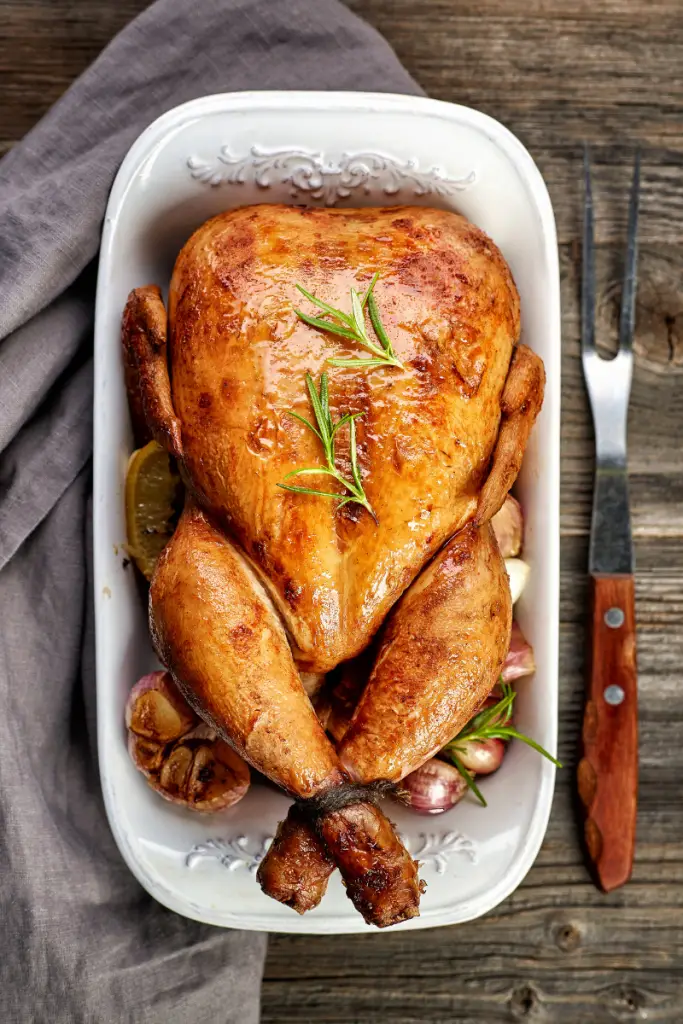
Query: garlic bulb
{"type": "Point", "coordinates": [156, 710]}
{"type": "Point", "coordinates": [181, 757]}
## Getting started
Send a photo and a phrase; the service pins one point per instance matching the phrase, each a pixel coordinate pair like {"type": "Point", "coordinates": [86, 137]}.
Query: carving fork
{"type": "Point", "coordinates": [608, 770]}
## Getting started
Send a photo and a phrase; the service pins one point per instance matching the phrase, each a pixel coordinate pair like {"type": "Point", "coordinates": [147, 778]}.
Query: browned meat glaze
{"type": "Point", "coordinates": [215, 629]}
{"type": "Point", "coordinates": [259, 586]}
{"type": "Point", "coordinates": [520, 404]}
{"type": "Point", "coordinates": [439, 656]}
{"type": "Point", "coordinates": [296, 869]}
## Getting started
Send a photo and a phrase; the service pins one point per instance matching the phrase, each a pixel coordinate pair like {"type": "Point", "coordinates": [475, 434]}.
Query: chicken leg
{"type": "Point", "coordinates": [241, 678]}
{"type": "Point", "coordinates": [439, 656]}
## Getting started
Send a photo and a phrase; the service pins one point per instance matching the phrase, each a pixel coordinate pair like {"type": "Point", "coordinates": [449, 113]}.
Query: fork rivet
{"type": "Point", "coordinates": [614, 695]}
{"type": "Point", "coordinates": [614, 618]}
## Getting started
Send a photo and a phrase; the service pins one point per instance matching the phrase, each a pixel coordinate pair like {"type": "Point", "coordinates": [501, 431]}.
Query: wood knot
{"type": "Point", "coordinates": [568, 937]}
{"type": "Point", "coordinates": [628, 1000]}
{"type": "Point", "coordinates": [658, 340]}
{"type": "Point", "coordinates": [525, 1003]}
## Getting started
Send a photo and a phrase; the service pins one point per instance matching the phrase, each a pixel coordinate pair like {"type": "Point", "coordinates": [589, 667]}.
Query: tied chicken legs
{"type": "Point", "coordinates": [260, 588]}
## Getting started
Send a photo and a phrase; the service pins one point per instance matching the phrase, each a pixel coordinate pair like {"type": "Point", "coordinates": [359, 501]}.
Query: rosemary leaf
{"type": "Point", "coordinates": [359, 362]}
{"type": "Point", "coordinates": [469, 779]}
{"type": "Point", "coordinates": [488, 725]}
{"type": "Point", "coordinates": [309, 490]}
{"type": "Point", "coordinates": [359, 318]}
{"type": "Point", "coordinates": [309, 471]}
{"type": "Point", "coordinates": [325, 405]}
{"type": "Point", "coordinates": [353, 327]}
{"type": "Point", "coordinates": [353, 457]}
{"type": "Point", "coordinates": [346, 418]}
{"type": "Point", "coordinates": [508, 733]}
{"type": "Point", "coordinates": [369, 289]}
{"type": "Point", "coordinates": [326, 432]}
{"type": "Point", "coordinates": [327, 325]}
{"type": "Point", "coordinates": [378, 326]}
{"type": "Point", "coordinates": [302, 419]}
{"type": "Point", "coordinates": [336, 313]}
{"type": "Point", "coordinates": [321, 419]}
{"type": "Point", "coordinates": [499, 713]}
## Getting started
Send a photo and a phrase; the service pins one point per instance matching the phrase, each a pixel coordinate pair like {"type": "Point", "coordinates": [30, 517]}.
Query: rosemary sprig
{"type": "Point", "coordinates": [352, 326]}
{"type": "Point", "coordinates": [326, 433]}
{"type": "Point", "coordinates": [492, 723]}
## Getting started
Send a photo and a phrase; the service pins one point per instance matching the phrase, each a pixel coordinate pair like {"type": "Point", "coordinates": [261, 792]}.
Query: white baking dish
{"type": "Point", "coordinates": [315, 148]}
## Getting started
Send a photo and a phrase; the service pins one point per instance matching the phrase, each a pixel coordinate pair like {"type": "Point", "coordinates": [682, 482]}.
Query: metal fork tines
{"type": "Point", "coordinates": [608, 382]}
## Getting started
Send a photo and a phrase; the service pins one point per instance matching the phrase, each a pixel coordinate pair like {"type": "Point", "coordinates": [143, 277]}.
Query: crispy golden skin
{"type": "Point", "coordinates": [259, 587]}
{"type": "Point", "coordinates": [297, 867]}
{"type": "Point", "coordinates": [520, 404]}
{"type": "Point", "coordinates": [438, 657]}
{"type": "Point", "coordinates": [239, 353]}
{"type": "Point", "coordinates": [216, 630]}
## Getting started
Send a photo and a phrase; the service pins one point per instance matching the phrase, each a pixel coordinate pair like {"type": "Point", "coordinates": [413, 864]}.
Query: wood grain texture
{"type": "Point", "coordinates": [607, 774]}
{"type": "Point", "coordinates": [556, 72]}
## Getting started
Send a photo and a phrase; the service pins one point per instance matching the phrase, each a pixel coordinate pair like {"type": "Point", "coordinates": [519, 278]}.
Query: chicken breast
{"type": "Point", "coordinates": [239, 353]}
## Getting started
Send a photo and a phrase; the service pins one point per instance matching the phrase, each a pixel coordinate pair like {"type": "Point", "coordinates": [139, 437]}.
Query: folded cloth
{"type": "Point", "coordinates": [81, 942]}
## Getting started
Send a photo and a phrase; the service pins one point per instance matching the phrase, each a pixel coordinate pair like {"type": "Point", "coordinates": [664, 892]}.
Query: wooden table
{"type": "Point", "coordinates": [556, 72]}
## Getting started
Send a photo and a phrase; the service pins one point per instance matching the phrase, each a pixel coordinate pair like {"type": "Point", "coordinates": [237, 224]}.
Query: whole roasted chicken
{"type": "Point", "coordinates": [395, 330]}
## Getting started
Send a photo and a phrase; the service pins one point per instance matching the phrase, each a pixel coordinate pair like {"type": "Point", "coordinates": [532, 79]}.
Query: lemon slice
{"type": "Point", "coordinates": [153, 500]}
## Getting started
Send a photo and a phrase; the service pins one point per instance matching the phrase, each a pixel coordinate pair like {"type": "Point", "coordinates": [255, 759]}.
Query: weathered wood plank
{"type": "Point", "coordinates": [557, 74]}
{"type": "Point", "coordinates": [556, 77]}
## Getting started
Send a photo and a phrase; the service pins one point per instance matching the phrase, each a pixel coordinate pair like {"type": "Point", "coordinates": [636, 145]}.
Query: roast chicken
{"type": "Point", "coordinates": [262, 591]}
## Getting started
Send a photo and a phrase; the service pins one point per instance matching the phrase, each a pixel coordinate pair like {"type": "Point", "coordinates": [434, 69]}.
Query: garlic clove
{"type": "Point", "coordinates": [157, 711]}
{"type": "Point", "coordinates": [508, 526]}
{"type": "Point", "coordinates": [147, 756]}
{"type": "Point", "coordinates": [518, 573]}
{"type": "Point", "coordinates": [435, 787]}
{"type": "Point", "coordinates": [175, 772]}
{"type": "Point", "coordinates": [219, 778]}
{"type": "Point", "coordinates": [481, 756]}
{"type": "Point", "coordinates": [519, 661]}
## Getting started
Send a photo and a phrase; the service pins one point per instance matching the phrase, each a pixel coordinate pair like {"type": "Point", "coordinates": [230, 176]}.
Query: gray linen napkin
{"type": "Point", "coordinates": [80, 941]}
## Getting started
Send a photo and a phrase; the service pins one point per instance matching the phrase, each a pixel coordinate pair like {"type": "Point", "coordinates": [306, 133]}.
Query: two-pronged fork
{"type": "Point", "coordinates": [608, 770]}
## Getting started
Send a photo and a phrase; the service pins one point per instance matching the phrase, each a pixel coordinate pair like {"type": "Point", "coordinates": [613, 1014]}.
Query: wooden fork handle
{"type": "Point", "coordinates": [608, 770]}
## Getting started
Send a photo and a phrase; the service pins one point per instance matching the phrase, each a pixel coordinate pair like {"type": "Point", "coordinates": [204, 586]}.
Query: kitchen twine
{"type": "Point", "coordinates": [339, 797]}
